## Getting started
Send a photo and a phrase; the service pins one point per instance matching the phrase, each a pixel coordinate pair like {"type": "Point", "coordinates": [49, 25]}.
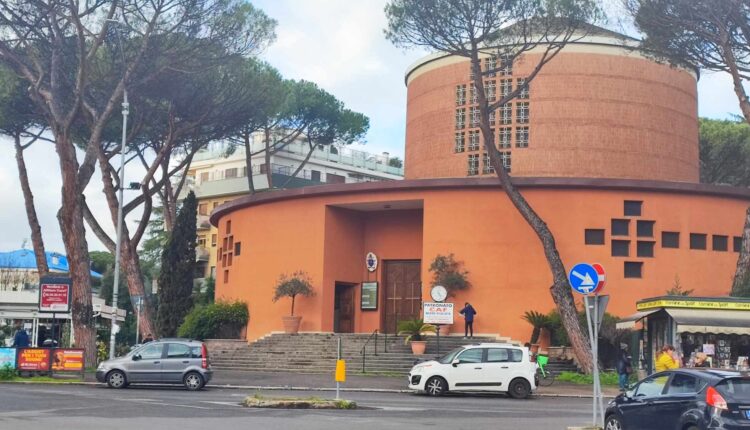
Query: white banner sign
{"type": "Point", "coordinates": [437, 313]}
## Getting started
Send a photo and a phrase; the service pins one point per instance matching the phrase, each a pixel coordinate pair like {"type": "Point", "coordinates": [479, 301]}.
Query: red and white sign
{"type": "Point", "coordinates": [437, 313]}
{"type": "Point", "coordinates": [599, 271]}
{"type": "Point", "coordinates": [54, 298]}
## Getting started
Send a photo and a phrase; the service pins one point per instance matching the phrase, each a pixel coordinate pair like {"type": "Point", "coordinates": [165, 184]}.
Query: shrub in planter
{"type": "Point", "coordinates": [219, 320]}
{"type": "Point", "coordinates": [414, 330]}
{"type": "Point", "coordinates": [296, 284]}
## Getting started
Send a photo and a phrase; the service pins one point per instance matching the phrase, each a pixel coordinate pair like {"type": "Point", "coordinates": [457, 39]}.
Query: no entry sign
{"type": "Point", "coordinates": [54, 295]}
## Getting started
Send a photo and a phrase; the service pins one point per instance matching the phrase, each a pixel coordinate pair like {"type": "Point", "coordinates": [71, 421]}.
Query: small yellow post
{"type": "Point", "coordinates": [340, 371]}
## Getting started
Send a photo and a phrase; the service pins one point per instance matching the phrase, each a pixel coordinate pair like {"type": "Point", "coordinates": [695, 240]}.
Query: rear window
{"type": "Point", "coordinates": [195, 352]}
{"type": "Point", "coordinates": [737, 388]}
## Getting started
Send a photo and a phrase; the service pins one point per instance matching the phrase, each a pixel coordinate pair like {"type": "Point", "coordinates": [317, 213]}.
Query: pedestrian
{"type": "Point", "coordinates": [148, 338]}
{"type": "Point", "coordinates": [21, 338]}
{"type": "Point", "coordinates": [701, 360]}
{"type": "Point", "coordinates": [667, 359]}
{"type": "Point", "coordinates": [468, 312]}
{"type": "Point", "coordinates": [624, 367]}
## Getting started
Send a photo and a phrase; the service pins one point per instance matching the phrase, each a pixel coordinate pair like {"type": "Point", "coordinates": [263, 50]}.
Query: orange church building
{"type": "Point", "coordinates": [604, 145]}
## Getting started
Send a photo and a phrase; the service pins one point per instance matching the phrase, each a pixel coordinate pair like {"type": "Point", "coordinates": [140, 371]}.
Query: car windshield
{"type": "Point", "coordinates": [448, 358]}
{"type": "Point", "coordinates": [736, 388]}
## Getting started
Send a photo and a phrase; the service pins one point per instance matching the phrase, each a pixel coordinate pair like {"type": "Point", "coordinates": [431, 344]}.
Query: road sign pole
{"type": "Point", "coordinates": [338, 357]}
{"type": "Point", "coordinates": [591, 339]}
{"type": "Point", "coordinates": [597, 382]}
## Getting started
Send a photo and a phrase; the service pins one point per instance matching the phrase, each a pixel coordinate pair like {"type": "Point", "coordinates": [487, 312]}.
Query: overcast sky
{"type": "Point", "coordinates": [338, 44]}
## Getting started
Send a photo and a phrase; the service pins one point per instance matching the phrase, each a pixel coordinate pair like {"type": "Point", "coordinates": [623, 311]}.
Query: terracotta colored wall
{"type": "Point", "coordinates": [504, 258]}
{"type": "Point", "coordinates": [591, 115]}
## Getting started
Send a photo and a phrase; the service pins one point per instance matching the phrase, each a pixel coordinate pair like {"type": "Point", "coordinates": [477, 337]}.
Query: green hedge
{"type": "Point", "coordinates": [219, 320]}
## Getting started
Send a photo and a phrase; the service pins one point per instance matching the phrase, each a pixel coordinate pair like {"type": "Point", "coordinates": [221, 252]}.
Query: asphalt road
{"type": "Point", "coordinates": [63, 407]}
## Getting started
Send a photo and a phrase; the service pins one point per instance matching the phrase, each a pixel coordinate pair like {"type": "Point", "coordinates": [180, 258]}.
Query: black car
{"type": "Point", "coordinates": [683, 399]}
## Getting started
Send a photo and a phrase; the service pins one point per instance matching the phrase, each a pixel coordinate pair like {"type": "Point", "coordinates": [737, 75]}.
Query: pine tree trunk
{"type": "Point", "coordinates": [73, 232]}
{"type": "Point", "coordinates": [37, 241]}
{"type": "Point", "coordinates": [560, 289]}
{"type": "Point", "coordinates": [134, 277]}
{"type": "Point", "coordinates": [740, 287]}
{"type": "Point", "coordinates": [269, 174]}
{"type": "Point", "coordinates": [249, 162]}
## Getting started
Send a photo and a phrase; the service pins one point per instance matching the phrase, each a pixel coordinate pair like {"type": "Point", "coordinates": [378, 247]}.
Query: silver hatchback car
{"type": "Point", "coordinates": [165, 361]}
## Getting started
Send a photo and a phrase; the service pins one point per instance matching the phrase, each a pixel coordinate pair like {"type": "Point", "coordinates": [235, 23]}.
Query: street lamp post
{"type": "Point", "coordinates": [118, 244]}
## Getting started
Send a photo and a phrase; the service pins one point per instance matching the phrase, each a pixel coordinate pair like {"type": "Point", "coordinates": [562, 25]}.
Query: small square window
{"type": "Point", "coordinates": [670, 239]}
{"type": "Point", "coordinates": [620, 248]}
{"type": "Point", "coordinates": [720, 243]}
{"type": "Point", "coordinates": [620, 227]}
{"type": "Point", "coordinates": [237, 248]}
{"type": "Point", "coordinates": [697, 241]}
{"type": "Point", "coordinates": [645, 248]}
{"type": "Point", "coordinates": [645, 228]}
{"type": "Point", "coordinates": [737, 243]}
{"type": "Point", "coordinates": [633, 269]}
{"type": "Point", "coordinates": [633, 207]}
{"type": "Point", "coordinates": [594, 236]}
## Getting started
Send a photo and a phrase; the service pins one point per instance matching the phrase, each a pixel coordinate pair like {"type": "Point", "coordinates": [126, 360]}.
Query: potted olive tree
{"type": "Point", "coordinates": [449, 273]}
{"type": "Point", "coordinates": [414, 330]}
{"type": "Point", "coordinates": [296, 284]}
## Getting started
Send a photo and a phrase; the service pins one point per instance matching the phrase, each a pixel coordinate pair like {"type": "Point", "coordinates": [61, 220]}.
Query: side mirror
{"type": "Point", "coordinates": [136, 357]}
{"type": "Point", "coordinates": [455, 362]}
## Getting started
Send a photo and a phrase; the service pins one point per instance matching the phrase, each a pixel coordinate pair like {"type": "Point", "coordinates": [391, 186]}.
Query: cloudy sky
{"type": "Point", "coordinates": [338, 44]}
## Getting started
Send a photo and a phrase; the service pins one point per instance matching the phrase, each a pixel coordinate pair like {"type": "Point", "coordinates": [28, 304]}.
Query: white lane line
{"type": "Point", "coordinates": [236, 405]}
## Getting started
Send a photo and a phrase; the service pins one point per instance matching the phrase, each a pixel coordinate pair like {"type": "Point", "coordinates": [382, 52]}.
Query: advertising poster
{"type": "Point", "coordinates": [369, 296]}
{"type": "Point", "coordinates": [67, 360]}
{"type": "Point", "coordinates": [54, 297]}
{"type": "Point", "coordinates": [8, 357]}
{"type": "Point", "coordinates": [437, 313]}
{"type": "Point", "coordinates": [33, 359]}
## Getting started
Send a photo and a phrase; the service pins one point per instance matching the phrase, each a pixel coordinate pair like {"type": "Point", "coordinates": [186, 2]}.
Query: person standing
{"type": "Point", "coordinates": [468, 312]}
{"type": "Point", "coordinates": [148, 338]}
{"type": "Point", "coordinates": [624, 367]}
{"type": "Point", "coordinates": [21, 338]}
{"type": "Point", "coordinates": [666, 359]}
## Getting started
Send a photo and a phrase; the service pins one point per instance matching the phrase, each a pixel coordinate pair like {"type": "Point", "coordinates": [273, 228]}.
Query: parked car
{"type": "Point", "coordinates": [165, 361]}
{"type": "Point", "coordinates": [683, 399]}
{"type": "Point", "coordinates": [493, 367]}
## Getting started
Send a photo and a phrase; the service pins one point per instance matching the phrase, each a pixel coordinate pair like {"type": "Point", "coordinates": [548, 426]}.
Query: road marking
{"type": "Point", "coordinates": [237, 405]}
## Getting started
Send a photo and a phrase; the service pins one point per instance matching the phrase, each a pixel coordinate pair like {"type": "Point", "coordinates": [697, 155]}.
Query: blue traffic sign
{"type": "Point", "coordinates": [583, 278]}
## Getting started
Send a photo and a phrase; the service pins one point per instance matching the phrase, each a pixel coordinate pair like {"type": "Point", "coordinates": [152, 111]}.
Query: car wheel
{"type": "Point", "coordinates": [519, 388]}
{"type": "Point", "coordinates": [614, 422]}
{"type": "Point", "coordinates": [116, 379]}
{"type": "Point", "coordinates": [436, 386]}
{"type": "Point", "coordinates": [193, 381]}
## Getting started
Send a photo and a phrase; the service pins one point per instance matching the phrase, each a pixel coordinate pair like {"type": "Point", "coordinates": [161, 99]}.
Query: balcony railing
{"type": "Point", "coordinates": [201, 253]}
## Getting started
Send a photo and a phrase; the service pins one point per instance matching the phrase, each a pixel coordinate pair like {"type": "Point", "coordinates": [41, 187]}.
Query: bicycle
{"type": "Point", "coordinates": [546, 377]}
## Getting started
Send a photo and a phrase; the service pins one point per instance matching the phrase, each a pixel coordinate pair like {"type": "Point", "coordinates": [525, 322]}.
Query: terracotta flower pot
{"type": "Point", "coordinates": [544, 339]}
{"type": "Point", "coordinates": [291, 324]}
{"type": "Point", "coordinates": [418, 347]}
{"type": "Point", "coordinates": [445, 330]}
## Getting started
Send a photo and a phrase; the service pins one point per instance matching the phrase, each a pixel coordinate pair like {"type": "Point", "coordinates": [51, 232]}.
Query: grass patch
{"type": "Point", "coordinates": [259, 401]}
{"type": "Point", "coordinates": [607, 378]}
{"type": "Point", "coordinates": [41, 380]}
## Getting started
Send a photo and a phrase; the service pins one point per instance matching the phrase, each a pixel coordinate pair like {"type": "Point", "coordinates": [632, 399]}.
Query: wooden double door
{"type": "Point", "coordinates": [402, 289]}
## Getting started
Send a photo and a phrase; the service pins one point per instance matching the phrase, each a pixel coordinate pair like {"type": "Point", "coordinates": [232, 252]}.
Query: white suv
{"type": "Point", "coordinates": [498, 367]}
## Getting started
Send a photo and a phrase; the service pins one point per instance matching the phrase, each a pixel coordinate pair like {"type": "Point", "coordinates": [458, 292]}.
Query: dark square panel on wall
{"type": "Point", "coordinates": [633, 207]}
{"type": "Point", "coordinates": [620, 227]}
{"type": "Point", "coordinates": [720, 243]}
{"type": "Point", "coordinates": [670, 239]}
{"type": "Point", "coordinates": [697, 241]}
{"type": "Point", "coordinates": [594, 236]}
{"type": "Point", "coordinates": [645, 248]}
{"type": "Point", "coordinates": [737, 243]}
{"type": "Point", "coordinates": [620, 248]}
{"type": "Point", "coordinates": [633, 269]}
{"type": "Point", "coordinates": [645, 228]}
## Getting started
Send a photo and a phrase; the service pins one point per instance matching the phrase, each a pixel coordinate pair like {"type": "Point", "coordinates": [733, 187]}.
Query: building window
{"type": "Point", "coordinates": [226, 276]}
{"type": "Point", "coordinates": [645, 248]}
{"type": "Point", "coordinates": [620, 227]}
{"type": "Point", "coordinates": [506, 114]}
{"type": "Point", "coordinates": [506, 65]}
{"type": "Point", "coordinates": [215, 205]}
{"type": "Point", "coordinates": [315, 175]}
{"type": "Point", "coordinates": [505, 157]}
{"type": "Point", "coordinates": [492, 117]}
{"type": "Point", "coordinates": [737, 243]}
{"type": "Point", "coordinates": [489, 91]}
{"type": "Point", "coordinates": [522, 112]}
{"type": "Point", "coordinates": [204, 176]}
{"type": "Point", "coordinates": [720, 243]}
{"type": "Point", "coordinates": [670, 239]}
{"type": "Point", "coordinates": [524, 93]}
{"type": "Point", "coordinates": [213, 240]}
{"type": "Point", "coordinates": [504, 137]}
{"type": "Point", "coordinates": [697, 241]}
{"type": "Point", "coordinates": [473, 140]}
{"type": "Point", "coordinates": [335, 179]}
{"type": "Point", "coordinates": [460, 95]}
{"type": "Point", "coordinates": [202, 241]}
{"type": "Point", "coordinates": [490, 64]}
{"type": "Point", "coordinates": [620, 248]}
{"type": "Point", "coordinates": [473, 94]}
{"type": "Point", "coordinates": [645, 228]}
{"type": "Point", "coordinates": [486, 164]}
{"type": "Point", "coordinates": [203, 209]}
{"type": "Point", "coordinates": [212, 272]}
{"type": "Point", "coordinates": [594, 236]}
{"type": "Point", "coordinates": [460, 141]}
{"type": "Point", "coordinates": [522, 137]}
{"type": "Point", "coordinates": [506, 87]}
{"type": "Point", "coordinates": [474, 116]}
{"type": "Point", "coordinates": [473, 165]}
{"type": "Point", "coordinates": [230, 173]}
{"type": "Point", "coordinates": [237, 248]}
{"type": "Point", "coordinates": [633, 207]}
{"type": "Point", "coordinates": [460, 118]}
{"type": "Point", "coordinates": [229, 227]}
{"type": "Point", "coordinates": [263, 169]}
{"type": "Point", "coordinates": [633, 269]}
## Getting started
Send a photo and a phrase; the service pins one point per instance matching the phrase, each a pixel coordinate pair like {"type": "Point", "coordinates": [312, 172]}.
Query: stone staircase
{"type": "Point", "coordinates": [316, 353]}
